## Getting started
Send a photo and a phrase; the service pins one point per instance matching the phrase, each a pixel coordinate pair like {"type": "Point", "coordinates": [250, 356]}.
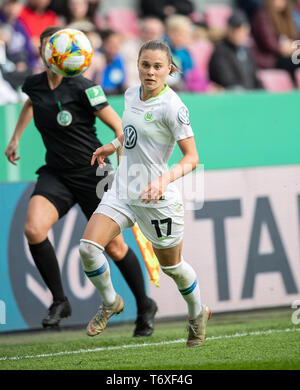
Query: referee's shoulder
{"type": "Point", "coordinates": [78, 86]}
{"type": "Point", "coordinates": [34, 83]}
{"type": "Point", "coordinates": [35, 79]}
{"type": "Point", "coordinates": [81, 82]}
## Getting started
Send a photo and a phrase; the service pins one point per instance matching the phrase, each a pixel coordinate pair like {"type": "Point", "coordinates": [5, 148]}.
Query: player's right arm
{"type": "Point", "coordinates": [25, 117]}
{"type": "Point", "coordinates": [106, 150]}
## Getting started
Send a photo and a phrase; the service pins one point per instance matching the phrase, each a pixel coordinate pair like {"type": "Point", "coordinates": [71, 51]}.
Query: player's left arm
{"type": "Point", "coordinates": [188, 163]}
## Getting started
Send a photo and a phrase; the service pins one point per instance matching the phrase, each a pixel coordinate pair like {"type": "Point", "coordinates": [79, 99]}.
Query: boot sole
{"type": "Point", "coordinates": [57, 324]}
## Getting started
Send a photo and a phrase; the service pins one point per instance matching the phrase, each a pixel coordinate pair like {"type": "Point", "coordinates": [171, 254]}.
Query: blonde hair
{"type": "Point", "coordinates": [160, 45]}
{"type": "Point", "coordinates": [177, 22]}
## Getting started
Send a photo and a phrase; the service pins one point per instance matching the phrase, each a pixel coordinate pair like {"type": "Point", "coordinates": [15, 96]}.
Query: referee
{"type": "Point", "coordinates": [64, 112]}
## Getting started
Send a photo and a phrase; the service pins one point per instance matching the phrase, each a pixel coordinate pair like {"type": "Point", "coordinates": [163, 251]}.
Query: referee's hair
{"type": "Point", "coordinates": [48, 32]}
{"type": "Point", "coordinates": [160, 45]}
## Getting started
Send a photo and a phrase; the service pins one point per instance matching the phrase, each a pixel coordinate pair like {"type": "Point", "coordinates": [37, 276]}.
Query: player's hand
{"type": "Point", "coordinates": [154, 190]}
{"type": "Point", "coordinates": [11, 152]}
{"type": "Point", "coordinates": [101, 153]}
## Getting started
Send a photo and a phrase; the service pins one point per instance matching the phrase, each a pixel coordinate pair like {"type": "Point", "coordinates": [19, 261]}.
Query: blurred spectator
{"type": "Point", "coordinates": [20, 58]}
{"type": "Point", "coordinates": [113, 76]}
{"type": "Point", "coordinates": [249, 7]}
{"type": "Point", "coordinates": [77, 10]}
{"type": "Point", "coordinates": [94, 9]}
{"type": "Point", "coordinates": [232, 64]}
{"type": "Point", "coordinates": [58, 7]}
{"type": "Point", "coordinates": [164, 8]}
{"type": "Point", "coordinates": [61, 8]}
{"type": "Point", "coordinates": [36, 17]}
{"type": "Point", "coordinates": [7, 93]}
{"type": "Point", "coordinates": [98, 60]}
{"type": "Point", "coordinates": [296, 14]}
{"type": "Point", "coordinates": [150, 28]}
{"type": "Point", "coordinates": [179, 35]}
{"type": "Point", "coordinates": [274, 31]}
{"type": "Point", "coordinates": [77, 15]}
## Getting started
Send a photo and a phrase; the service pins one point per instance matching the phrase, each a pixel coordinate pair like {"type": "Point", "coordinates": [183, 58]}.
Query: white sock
{"type": "Point", "coordinates": [186, 279]}
{"type": "Point", "coordinates": [97, 269]}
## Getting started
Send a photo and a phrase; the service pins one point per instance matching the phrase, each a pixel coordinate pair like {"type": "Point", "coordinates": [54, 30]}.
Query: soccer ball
{"type": "Point", "coordinates": [69, 52]}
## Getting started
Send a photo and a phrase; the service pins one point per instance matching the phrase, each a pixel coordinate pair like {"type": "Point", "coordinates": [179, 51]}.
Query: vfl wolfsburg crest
{"type": "Point", "coordinates": [148, 116]}
{"type": "Point", "coordinates": [130, 137]}
{"type": "Point", "coordinates": [64, 118]}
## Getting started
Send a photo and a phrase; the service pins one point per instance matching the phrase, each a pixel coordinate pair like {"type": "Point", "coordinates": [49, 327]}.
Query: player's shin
{"type": "Point", "coordinates": [96, 267]}
{"type": "Point", "coordinates": [186, 279]}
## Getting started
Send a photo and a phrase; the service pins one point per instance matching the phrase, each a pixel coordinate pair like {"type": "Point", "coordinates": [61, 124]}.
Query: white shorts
{"type": "Point", "coordinates": [163, 226]}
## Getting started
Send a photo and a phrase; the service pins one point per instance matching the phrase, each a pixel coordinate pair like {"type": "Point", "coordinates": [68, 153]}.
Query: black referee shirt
{"type": "Point", "coordinates": [64, 117]}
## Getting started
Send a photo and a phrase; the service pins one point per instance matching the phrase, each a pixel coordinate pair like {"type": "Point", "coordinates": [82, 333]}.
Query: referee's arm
{"type": "Point", "coordinates": [109, 117]}
{"type": "Point", "coordinates": [25, 118]}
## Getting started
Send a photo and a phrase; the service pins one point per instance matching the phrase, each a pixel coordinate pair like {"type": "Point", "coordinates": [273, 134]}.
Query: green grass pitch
{"type": "Point", "coordinates": [260, 340]}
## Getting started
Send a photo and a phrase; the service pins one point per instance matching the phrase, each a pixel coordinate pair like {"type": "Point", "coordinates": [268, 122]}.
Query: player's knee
{"type": "Point", "coordinates": [173, 271]}
{"type": "Point", "coordinates": [88, 251]}
{"type": "Point", "coordinates": [167, 271]}
{"type": "Point", "coordinates": [34, 233]}
{"type": "Point", "coordinates": [116, 250]}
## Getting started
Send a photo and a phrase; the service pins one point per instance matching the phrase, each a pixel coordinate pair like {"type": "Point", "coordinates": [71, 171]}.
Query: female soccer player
{"type": "Point", "coordinates": [154, 119]}
{"type": "Point", "coordinates": [64, 111]}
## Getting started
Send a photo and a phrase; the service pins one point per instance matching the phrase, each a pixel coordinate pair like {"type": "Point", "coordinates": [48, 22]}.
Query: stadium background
{"type": "Point", "coordinates": [244, 242]}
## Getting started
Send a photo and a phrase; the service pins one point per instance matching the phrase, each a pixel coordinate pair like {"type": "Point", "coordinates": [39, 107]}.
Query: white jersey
{"type": "Point", "coordinates": [151, 129]}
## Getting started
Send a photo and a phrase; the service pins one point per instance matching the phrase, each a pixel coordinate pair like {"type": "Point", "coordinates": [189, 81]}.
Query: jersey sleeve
{"type": "Point", "coordinates": [93, 97]}
{"type": "Point", "coordinates": [177, 120]}
{"type": "Point", "coordinates": [125, 99]}
{"type": "Point", "coordinates": [26, 86]}
{"type": "Point", "coordinates": [129, 94]}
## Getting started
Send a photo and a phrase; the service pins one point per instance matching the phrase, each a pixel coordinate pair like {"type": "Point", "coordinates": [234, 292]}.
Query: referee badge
{"type": "Point", "coordinates": [64, 118]}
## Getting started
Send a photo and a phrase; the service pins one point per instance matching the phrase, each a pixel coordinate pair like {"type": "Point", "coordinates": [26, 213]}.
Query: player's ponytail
{"type": "Point", "coordinates": [161, 45]}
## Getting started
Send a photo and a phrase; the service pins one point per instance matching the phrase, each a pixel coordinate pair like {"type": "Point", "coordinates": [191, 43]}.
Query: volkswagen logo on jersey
{"type": "Point", "coordinates": [130, 135]}
{"type": "Point", "coordinates": [183, 116]}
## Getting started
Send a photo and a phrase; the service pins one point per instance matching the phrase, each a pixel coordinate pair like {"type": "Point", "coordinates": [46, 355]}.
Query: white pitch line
{"type": "Point", "coordinates": [257, 333]}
